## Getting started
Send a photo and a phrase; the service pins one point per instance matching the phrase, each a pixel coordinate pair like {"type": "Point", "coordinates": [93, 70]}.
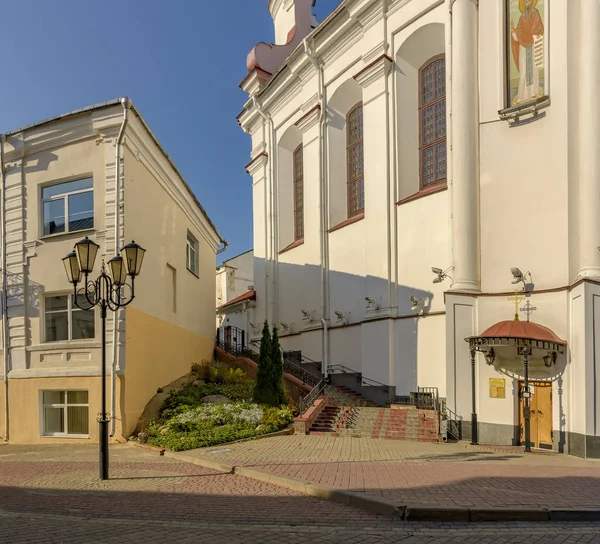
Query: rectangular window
{"type": "Point", "coordinates": [65, 321]}
{"type": "Point", "coordinates": [432, 121]}
{"type": "Point", "coordinates": [65, 413]}
{"type": "Point", "coordinates": [298, 193]}
{"type": "Point", "coordinates": [68, 206]}
{"type": "Point", "coordinates": [191, 254]}
{"type": "Point", "coordinates": [355, 161]}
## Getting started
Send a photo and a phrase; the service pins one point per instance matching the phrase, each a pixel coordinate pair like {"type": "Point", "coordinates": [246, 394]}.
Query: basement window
{"type": "Point", "coordinates": [65, 413]}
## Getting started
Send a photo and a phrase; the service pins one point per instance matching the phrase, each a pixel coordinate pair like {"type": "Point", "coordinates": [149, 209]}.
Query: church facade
{"type": "Point", "coordinates": [416, 162]}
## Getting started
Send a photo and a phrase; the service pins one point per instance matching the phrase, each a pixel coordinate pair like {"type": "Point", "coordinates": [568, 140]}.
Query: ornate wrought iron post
{"type": "Point", "coordinates": [474, 429]}
{"type": "Point", "coordinates": [108, 293]}
{"type": "Point", "coordinates": [527, 400]}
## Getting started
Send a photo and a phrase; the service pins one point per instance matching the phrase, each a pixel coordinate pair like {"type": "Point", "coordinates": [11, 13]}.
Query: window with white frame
{"type": "Point", "coordinates": [64, 320]}
{"type": "Point", "coordinates": [68, 206]}
{"type": "Point", "coordinates": [191, 254]}
{"type": "Point", "coordinates": [65, 413]}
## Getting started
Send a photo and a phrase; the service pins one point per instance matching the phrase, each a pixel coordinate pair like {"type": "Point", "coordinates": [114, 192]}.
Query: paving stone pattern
{"type": "Point", "coordinates": [52, 494]}
{"type": "Point", "coordinates": [411, 473]}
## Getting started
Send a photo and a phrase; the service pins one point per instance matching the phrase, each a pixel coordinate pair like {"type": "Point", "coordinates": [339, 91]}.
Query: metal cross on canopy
{"type": "Point", "coordinates": [528, 309]}
{"type": "Point", "coordinates": [516, 299]}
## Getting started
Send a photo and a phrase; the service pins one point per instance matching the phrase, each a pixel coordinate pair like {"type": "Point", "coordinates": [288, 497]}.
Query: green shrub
{"type": "Point", "coordinates": [192, 395]}
{"type": "Point", "coordinates": [209, 424]}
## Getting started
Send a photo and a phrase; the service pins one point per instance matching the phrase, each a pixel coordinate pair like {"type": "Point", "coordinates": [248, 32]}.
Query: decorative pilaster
{"type": "Point", "coordinates": [589, 140]}
{"type": "Point", "coordinates": [465, 150]}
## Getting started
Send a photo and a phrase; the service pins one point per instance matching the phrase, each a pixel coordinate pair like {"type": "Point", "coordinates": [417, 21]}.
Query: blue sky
{"type": "Point", "coordinates": [179, 61]}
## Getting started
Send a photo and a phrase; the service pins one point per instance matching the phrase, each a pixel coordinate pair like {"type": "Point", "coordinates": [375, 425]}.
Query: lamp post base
{"type": "Point", "coordinates": [103, 442]}
{"type": "Point", "coordinates": [474, 437]}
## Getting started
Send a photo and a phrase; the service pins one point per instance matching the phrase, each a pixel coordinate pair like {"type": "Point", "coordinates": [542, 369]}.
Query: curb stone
{"type": "Point", "coordinates": [406, 513]}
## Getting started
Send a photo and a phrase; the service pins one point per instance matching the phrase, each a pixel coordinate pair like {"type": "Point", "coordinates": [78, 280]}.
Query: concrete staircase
{"type": "Point", "coordinates": [397, 423]}
{"type": "Point", "coordinates": [405, 423]}
{"type": "Point", "coordinates": [340, 403]}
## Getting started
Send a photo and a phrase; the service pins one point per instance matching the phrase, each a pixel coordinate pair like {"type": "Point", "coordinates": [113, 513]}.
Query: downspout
{"type": "Point", "coordinates": [449, 156]}
{"type": "Point", "coordinates": [269, 226]}
{"type": "Point", "coordinates": [392, 229]}
{"type": "Point", "coordinates": [5, 351]}
{"type": "Point", "coordinates": [115, 359]}
{"type": "Point", "coordinates": [323, 241]}
{"type": "Point", "coordinates": [449, 141]}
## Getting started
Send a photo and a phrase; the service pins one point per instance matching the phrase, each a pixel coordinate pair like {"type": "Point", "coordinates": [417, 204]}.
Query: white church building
{"type": "Point", "coordinates": [413, 163]}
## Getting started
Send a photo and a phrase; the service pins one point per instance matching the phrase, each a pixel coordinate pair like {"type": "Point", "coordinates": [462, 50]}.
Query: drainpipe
{"type": "Point", "coordinates": [115, 359]}
{"type": "Point", "coordinates": [5, 353]}
{"type": "Point", "coordinates": [449, 139]}
{"type": "Point", "coordinates": [323, 240]}
{"type": "Point", "coordinates": [269, 224]}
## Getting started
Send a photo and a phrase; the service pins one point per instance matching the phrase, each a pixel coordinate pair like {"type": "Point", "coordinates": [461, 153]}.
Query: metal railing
{"type": "Point", "coordinates": [231, 339]}
{"type": "Point", "coordinates": [453, 424]}
{"type": "Point", "coordinates": [307, 401]}
{"type": "Point", "coordinates": [300, 372]}
{"type": "Point", "coordinates": [360, 378]}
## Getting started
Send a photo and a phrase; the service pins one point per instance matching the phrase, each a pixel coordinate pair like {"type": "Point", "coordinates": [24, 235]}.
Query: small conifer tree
{"type": "Point", "coordinates": [264, 392]}
{"type": "Point", "coordinates": [278, 368]}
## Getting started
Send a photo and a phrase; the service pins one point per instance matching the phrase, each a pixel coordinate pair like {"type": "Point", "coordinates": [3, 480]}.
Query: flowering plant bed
{"type": "Point", "coordinates": [209, 424]}
{"type": "Point", "coordinates": [213, 408]}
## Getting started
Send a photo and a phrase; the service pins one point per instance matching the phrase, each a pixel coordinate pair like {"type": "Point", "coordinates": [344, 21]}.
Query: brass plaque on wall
{"type": "Point", "coordinates": [497, 388]}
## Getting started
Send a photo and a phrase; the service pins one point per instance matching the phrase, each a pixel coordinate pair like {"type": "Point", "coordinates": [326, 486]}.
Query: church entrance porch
{"type": "Point", "coordinates": [540, 415]}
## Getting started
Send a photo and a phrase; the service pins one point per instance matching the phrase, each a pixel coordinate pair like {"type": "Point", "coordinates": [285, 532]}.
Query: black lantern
{"type": "Point", "coordinates": [72, 268]}
{"type": "Point", "coordinates": [118, 271]}
{"type": "Point", "coordinates": [550, 359]}
{"type": "Point", "coordinates": [490, 356]}
{"type": "Point", "coordinates": [86, 252]}
{"type": "Point", "coordinates": [134, 256]}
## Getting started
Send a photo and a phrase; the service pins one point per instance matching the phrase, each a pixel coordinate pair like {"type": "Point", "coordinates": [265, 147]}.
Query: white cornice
{"type": "Point", "coordinates": [375, 71]}
{"type": "Point", "coordinates": [310, 119]}
{"type": "Point", "coordinates": [257, 164]}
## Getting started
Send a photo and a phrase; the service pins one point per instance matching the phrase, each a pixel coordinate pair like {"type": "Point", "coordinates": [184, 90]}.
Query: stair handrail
{"type": "Point", "coordinates": [332, 369]}
{"type": "Point", "coordinates": [303, 374]}
{"type": "Point", "coordinates": [308, 400]}
{"type": "Point", "coordinates": [455, 420]}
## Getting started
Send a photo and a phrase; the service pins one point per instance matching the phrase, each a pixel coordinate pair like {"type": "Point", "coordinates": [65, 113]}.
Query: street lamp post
{"type": "Point", "coordinates": [108, 293]}
{"type": "Point", "coordinates": [527, 399]}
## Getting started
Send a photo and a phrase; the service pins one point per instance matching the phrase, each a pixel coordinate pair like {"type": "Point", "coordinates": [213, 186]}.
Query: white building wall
{"type": "Point", "coordinates": [517, 197]}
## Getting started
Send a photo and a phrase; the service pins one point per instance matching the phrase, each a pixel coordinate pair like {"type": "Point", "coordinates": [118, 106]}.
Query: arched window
{"type": "Point", "coordinates": [432, 121]}
{"type": "Point", "coordinates": [298, 194]}
{"type": "Point", "coordinates": [355, 161]}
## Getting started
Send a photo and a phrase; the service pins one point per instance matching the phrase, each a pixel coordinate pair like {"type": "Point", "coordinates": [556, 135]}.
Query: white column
{"type": "Point", "coordinates": [465, 151]}
{"type": "Point", "coordinates": [589, 140]}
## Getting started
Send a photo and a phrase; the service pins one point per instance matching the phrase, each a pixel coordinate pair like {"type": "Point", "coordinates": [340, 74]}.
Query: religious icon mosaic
{"type": "Point", "coordinates": [526, 51]}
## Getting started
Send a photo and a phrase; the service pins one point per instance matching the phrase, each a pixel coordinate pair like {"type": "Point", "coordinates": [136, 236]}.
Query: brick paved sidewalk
{"type": "Point", "coordinates": [411, 473]}
{"type": "Point", "coordinates": [64, 480]}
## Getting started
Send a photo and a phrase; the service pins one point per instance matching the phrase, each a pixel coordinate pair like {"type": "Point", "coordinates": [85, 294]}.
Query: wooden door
{"type": "Point", "coordinates": [541, 414]}
{"type": "Point", "coordinates": [228, 336]}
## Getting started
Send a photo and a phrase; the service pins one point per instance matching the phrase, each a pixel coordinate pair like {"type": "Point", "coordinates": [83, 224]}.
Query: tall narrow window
{"type": "Point", "coordinates": [191, 254]}
{"type": "Point", "coordinates": [355, 161]}
{"type": "Point", "coordinates": [298, 193]}
{"type": "Point", "coordinates": [432, 121]}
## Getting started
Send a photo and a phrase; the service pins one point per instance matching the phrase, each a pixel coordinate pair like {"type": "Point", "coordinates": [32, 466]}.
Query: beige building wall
{"type": "Point", "coordinates": [165, 329]}
{"type": "Point", "coordinates": [171, 322]}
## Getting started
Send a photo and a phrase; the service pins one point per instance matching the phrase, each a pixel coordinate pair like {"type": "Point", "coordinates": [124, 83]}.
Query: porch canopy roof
{"type": "Point", "coordinates": [518, 333]}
